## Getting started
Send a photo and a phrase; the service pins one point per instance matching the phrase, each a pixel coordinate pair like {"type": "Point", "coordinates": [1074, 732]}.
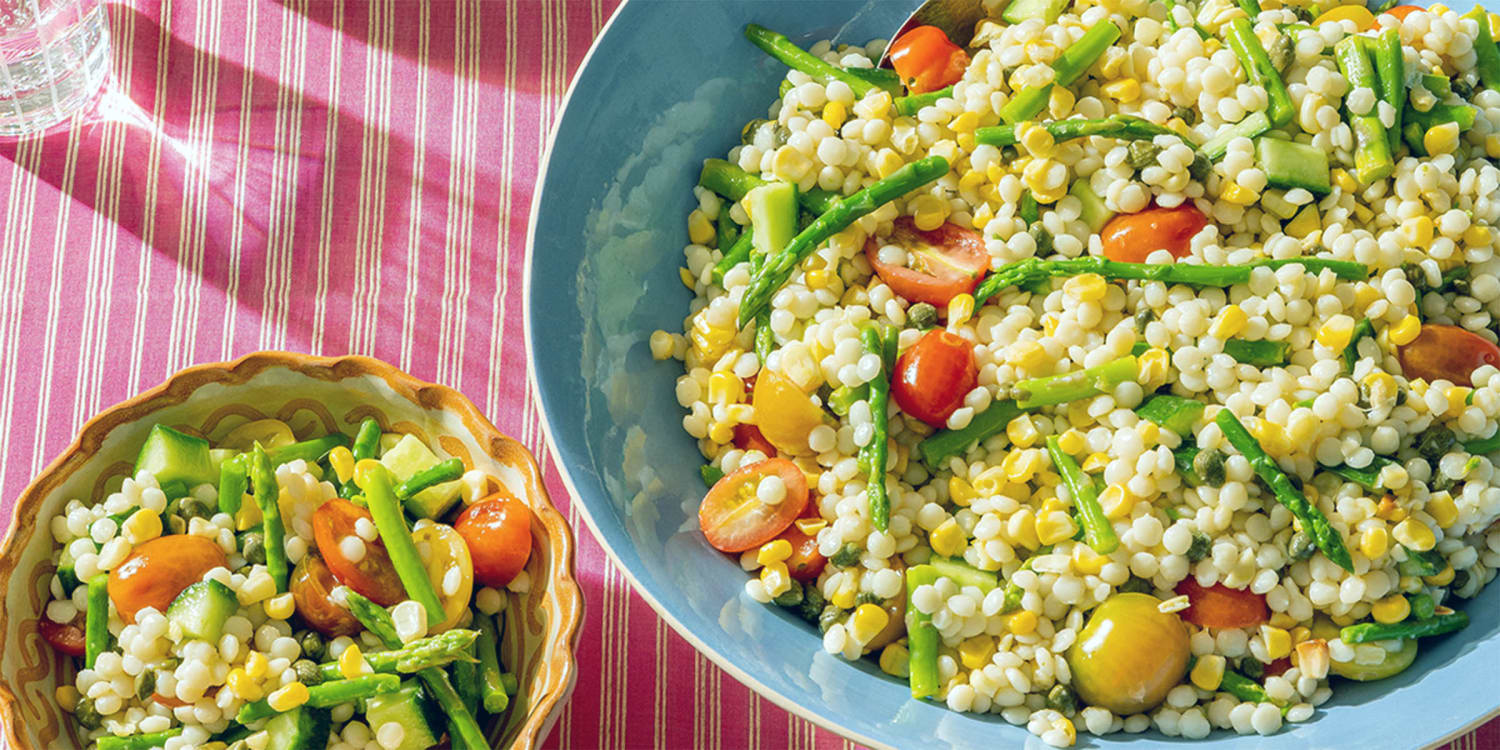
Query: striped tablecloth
{"type": "Point", "coordinates": [330, 178]}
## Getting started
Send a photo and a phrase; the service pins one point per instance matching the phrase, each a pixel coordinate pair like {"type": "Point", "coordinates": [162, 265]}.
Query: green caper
{"type": "Point", "coordinates": [1434, 444]}
{"type": "Point", "coordinates": [313, 646]}
{"type": "Point", "coordinates": [192, 507]}
{"type": "Point", "coordinates": [145, 684]}
{"type": "Point", "coordinates": [1144, 317]}
{"type": "Point", "coordinates": [1463, 88]}
{"type": "Point", "coordinates": [922, 316]}
{"type": "Point", "coordinates": [1460, 285]}
{"type": "Point", "coordinates": [1061, 699]}
{"type": "Point", "coordinates": [791, 597]}
{"type": "Point", "coordinates": [1301, 546]}
{"type": "Point", "coordinates": [1252, 667]}
{"type": "Point", "coordinates": [253, 548]}
{"type": "Point", "coordinates": [830, 616]}
{"type": "Point", "coordinates": [1143, 153]}
{"type": "Point", "coordinates": [307, 672]}
{"type": "Point", "coordinates": [1042, 237]}
{"type": "Point", "coordinates": [812, 604]}
{"type": "Point", "coordinates": [1281, 53]}
{"type": "Point", "coordinates": [1460, 580]}
{"type": "Point", "coordinates": [1200, 547]}
{"type": "Point", "coordinates": [747, 133]}
{"type": "Point", "coordinates": [846, 556]}
{"type": "Point", "coordinates": [1134, 585]}
{"type": "Point", "coordinates": [86, 715]}
{"type": "Point", "coordinates": [1209, 465]}
{"type": "Point", "coordinates": [1186, 114]}
{"type": "Point", "coordinates": [866, 597]}
{"type": "Point", "coordinates": [1200, 167]}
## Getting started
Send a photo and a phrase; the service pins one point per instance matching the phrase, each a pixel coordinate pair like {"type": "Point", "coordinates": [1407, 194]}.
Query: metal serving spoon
{"type": "Point", "coordinates": [957, 19]}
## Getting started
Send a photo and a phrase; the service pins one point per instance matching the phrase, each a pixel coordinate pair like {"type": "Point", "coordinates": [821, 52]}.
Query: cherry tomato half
{"type": "Point", "coordinates": [372, 575]}
{"type": "Point", "coordinates": [1131, 237]}
{"type": "Point", "coordinates": [312, 585]}
{"type": "Point", "coordinates": [1219, 606]}
{"type": "Point", "coordinates": [498, 532]}
{"type": "Point", "coordinates": [926, 60]}
{"type": "Point", "coordinates": [747, 437]}
{"type": "Point", "coordinates": [1402, 11]}
{"type": "Point", "coordinates": [733, 518]}
{"type": "Point", "coordinates": [783, 413]}
{"type": "Point", "coordinates": [934, 375]}
{"type": "Point", "coordinates": [1443, 352]}
{"type": "Point", "coordinates": [66, 638]}
{"type": "Point", "coordinates": [806, 561]}
{"type": "Point", "coordinates": [443, 550]}
{"type": "Point", "coordinates": [944, 262]}
{"type": "Point", "coordinates": [158, 570]}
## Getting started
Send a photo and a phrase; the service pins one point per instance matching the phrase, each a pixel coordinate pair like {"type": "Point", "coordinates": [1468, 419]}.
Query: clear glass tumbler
{"type": "Point", "coordinates": [54, 57]}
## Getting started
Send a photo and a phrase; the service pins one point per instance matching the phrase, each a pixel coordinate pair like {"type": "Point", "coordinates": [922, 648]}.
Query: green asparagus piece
{"type": "Point", "coordinates": [881, 78]}
{"type": "Point", "coordinates": [1173, 24]}
{"type": "Point", "coordinates": [944, 443]}
{"type": "Point", "coordinates": [1251, 8]}
{"type": "Point", "coordinates": [844, 397]}
{"type": "Point", "coordinates": [1258, 68]}
{"type": "Point", "coordinates": [232, 485]}
{"type": "Point", "coordinates": [1441, 114]}
{"type": "Point", "coordinates": [1030, 211]}
{"type": "Point", "coordinates": [1260, 353]}
{"type": "Point", "coordinates": [1246, 689]}
{"type": "Point", "coordinates": [443, 471]}
{"type": "Point", "coordinates": [1390, 74]}
{"type": "Point", "coordinates": [1030, 270]}
{"type": "Point", "coordinates": [385, 509]}
{"type": "Point", "coordinates": [733, 183]}
{"type": "Point", "coordinates": [273, 531]}
{"type": "Point", "coordinates": [737, 253]}
{"type": "Point", "coordinates": [1183, 459]}
{"type": "Point", "coordinates": [96, 623]}
{"type": "Point", "coordinates": [909, 106]}
{"type": "Point", "coordinates": [1440, 85]}
{"type": "Point", "coordinates": [725, 230]}
{"type": "Point", "coordinates": [922, 640]}
{"type": "Point", "coordinates": [1351, 352]}
{"type": "Point", "coordinates": [778, 46]}
{"type": "Point", "coordinates": [765, 282]}
{"type": "Point", "coordinates": [1372, 155]}
{"type": "Point", "coordinates": [307, 450]}
{"type": "Point", "coordinates": [326, 694]}
{"type": "Point", "coordinates": [367, 440]}
{"type": "Point", "coordinates": [1174, 413]}
{"type": "Point", "coordinates": [873, 339]}
{"type": "Point", "coordinates": [1483, 446]}
{"type": "Point", "coordinates": [1097, 531]}
{"type": "Point", "coordinates": [137, 741]}
{"type": "Point", "coordinates": [1422, 606]}
{"type": "Point", "coordinates": [1069, 66]}
{"type": "Point", "coordinates": [1368, 477]}
{"type": "Point", "coordinates": [1124, 127]}
{"type": "Point", "coordinates": [1071, 386]}
{"type": "Point", "coordinates": [374, 617]}
{"type": "Point", "coordinates": [466, 679]}
{"type": "Point", "coordinates": [433, 651]}
{"type": "Point", "coordinates": [1013, 591]}
{"type": "Point", "coordinates": [492, 688]}
{"type": "Point", "coordinates": [1366, 632]}
{"type": "Point", "coordinates": [711, 474]}
{"type": "Point", "coordinates": [1486, 54]}
{"type": "Point", "coordinates": [1314, 523]}
{"type": "Point", "coordinates": [1254, 124]}
{"type": "Point", "coordinates": [964, 574]}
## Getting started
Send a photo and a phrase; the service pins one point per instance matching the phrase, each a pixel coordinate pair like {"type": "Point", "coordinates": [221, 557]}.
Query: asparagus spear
{"type": "Point", "coordinates": [1246, 689]}
{"type": "Point", "coordinates": [1097, 531]}
{"type": "Point", "coordinates": [725, 230]}
{"type": "Point", "coordinates": [492, 689]}
{"type": "Point", "coordinates": [367, 440]}
{"type": "Point", "coordinates": [1253, 125]}
{"type": "Point", "coordinates": [881, 78]}
{"type": "Point", "coordinates": [733, 183]}
{"type": "Point", "coordinates": [326, 694]}
{"type": "Point", "coordinates": [1070, 65]}
{"type": "Point", "coordinates": [1313, 521]}
{"type": "Point", "coordinates": [922, 639]}
{"type": "Point", "coordinates": [443, 471]}
{"type": "Point", "coordinates": [1351, 352]}
{"type": "Point", "coordinates": [778, 46]}
{"type": "Point", "coordinates": [273, 531]}
{"type": "Point", "coordinates": [1174, 413]}
{"type": "Point", "coordinates": [1013, 591]}
{"type": "Point", "coordinates": [432, 651]}
{"type": "Point", "coordinates": [307, 450]}
{"type": "Point", "coordinates": [1259, 69]}
{"type": "Point", "coordinates": [779, 267]}
{"type": "Point", "coordinates": [910, 105]}
{"type": "Point", "coordinates": [1029, 270]}
{"type": "Point", "coordinates": [944, 443]}
{"type": "Point", "coordinates": [374, 617]}
{"type": "Point", "coordinates": [873, 338]}
{"type": "Point", "coordinates": [385, 509]}
{"type": "Point", "coordinates": [1441, 114]}
{"type": "Point", "coordinates": [1251, 8]}
{"type": "Point", "coordinates": [1124, 127]}
{"type": "Point", "coordinates": [1486, 54]}
{"type": "Point", "coordinates": [736, 254]}
{"type": "Point", "coordinates": [466, 679]}
{"type": "Point", "coordinates": [1390, 74]}
{"type": "Point", "coordinates": [964, 574]}
{"type": "Point", "coordinates": [1071, 386]}
{"type": "Point", "coordinates": [1366, 632]}
{"type": "Point", "coordinates": [1259, 353]}
{"type": "Point", "coordinates": [96, 622]}
{"type": "Point", "coordinates": [1428, 563]}
{"type": "Point", "coordinates": [1372, 155]}
{"type": "Point", "coordinates": [232, 485]}
{"type": "Point", "coordinates": [137, 741]}
{"type": "Point", "coordinates": [1368, 477]}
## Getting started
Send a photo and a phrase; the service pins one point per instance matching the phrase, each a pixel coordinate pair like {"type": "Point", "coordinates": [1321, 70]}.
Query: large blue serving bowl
{"type": "Point", "coordinates": [667, 85]}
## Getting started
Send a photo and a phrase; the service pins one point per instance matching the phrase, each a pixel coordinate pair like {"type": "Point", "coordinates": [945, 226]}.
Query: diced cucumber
{"type": "Point", "coordinates": [773, 216]}
{"type": "Point", "coordinates": [1021, 10]}
{"type": "Point", "coordinates": [407, 706]}
{"type": "Point", "coordinates": [304, 728]}
{"type": "Point", "coordinates": [65, 572]}
{"type": "Point", "coordinates": [176, 457]}
{"type": "Point", "coordinates": [201, 609]}
{"type": "Point", "coordinates": [1290, 164]}
{"type": "Point", "coordinates": [1093, 212]}
{"type": "Point", "coordinates": [409, 456]}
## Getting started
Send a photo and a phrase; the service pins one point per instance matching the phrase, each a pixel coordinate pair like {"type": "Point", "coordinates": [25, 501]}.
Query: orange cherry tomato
{"type": "Point", "coordinates": [934, 375]}
{"type": "Point", "coordinates": [1131, 237]}
{"type": "Point", "coordinates": [498, 532]}
{"type": "Point", "coordinates": [747, 437]}
{"type": "Point", "coordinates": [372, 575]}
{"type": "Point", "coordinates": [1443, 352]}
{"type": "Point", "coordinates": [1402, 11]}
{"type": "Point", "coordinates": [806, 561]}
{"type": "Point", "coordinates": [66, 638]}
{"type": "Point", "coordinates": [733, 518]}
{"type": "Point", "coordinates": [926, 60]}
{"type": "Point", "coordinates": [1219, 606]}
{"type": "Point", "coordinates": [312, 586]}
{"type": "Point", "coordinates": [944, 262]}
{"type": "Point", "coordinates": [158, 570]}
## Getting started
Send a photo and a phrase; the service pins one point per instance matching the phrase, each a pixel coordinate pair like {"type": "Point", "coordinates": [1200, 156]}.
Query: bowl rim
{"type": "Point", "coordinates": [182, 384]}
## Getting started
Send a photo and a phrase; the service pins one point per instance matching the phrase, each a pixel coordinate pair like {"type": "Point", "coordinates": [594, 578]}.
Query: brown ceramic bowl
{"type": "Point", "coordinates": [313, 395]}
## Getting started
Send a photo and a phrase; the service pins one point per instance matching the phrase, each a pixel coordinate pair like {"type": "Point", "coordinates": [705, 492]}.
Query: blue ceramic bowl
{"type": "Point", "coordinates": [667, 85]}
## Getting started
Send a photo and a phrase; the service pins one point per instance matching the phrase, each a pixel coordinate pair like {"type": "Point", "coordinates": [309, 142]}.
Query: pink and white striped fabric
{"type": "Point", "coordinates": [331, 178]}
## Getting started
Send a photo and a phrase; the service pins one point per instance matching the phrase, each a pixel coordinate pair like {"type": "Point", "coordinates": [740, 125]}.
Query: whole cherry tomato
{"type": "Point", "coordinates": [158, 570]}
{"type": "Point", "coordinates": [1444, 352]}
{"type": "Point", "coordinates": [66, 638]}
{"type": "Point", "coordinates": [371, 574]}
{"type": "Point", "coordinates": [734, 519]}
{"type": "Point", "coordinates": [1129, 655]}
{"type": "Point", "coordinates": [312, 586]}
{"type": "Point", "coordinates": [944, 262]}
{"type": "Point", "coordinates": [1219, 606]}
{"type": "Point", "coordinates": [1131, 237]}
{"type": "Point", "coordinates": [498, 532]}
{"type": "Point", "coordinates": [926, 60]}
{"type": "Point", "coordinates": [933, 376]}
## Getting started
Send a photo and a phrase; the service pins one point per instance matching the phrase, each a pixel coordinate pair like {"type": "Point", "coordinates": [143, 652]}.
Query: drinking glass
{"type": "Point", "coordinates": [54, 56]}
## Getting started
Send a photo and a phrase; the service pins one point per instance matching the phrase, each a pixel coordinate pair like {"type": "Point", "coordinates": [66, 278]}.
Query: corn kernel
{"type": "Point", "coordinates": [1065, 725]}
{"type": "Point", "coordinates": [948, 539]}
{"type": "Point", "coordinates": [1363, 212]}
{"type": "Point", "coordinates": [143, 525]}
{"type": "Point", "coordinates": [1054, 527]}
{"type": "Point", "coordinates": [977, 651]}
{"type": "Point", "coordinates": [775, 578]}
{"type": "Point", "coordinates": [1023, 622]}
{"type": "Point", "coordinates": [1415, 534]}
{"type": "Point", "coordinates": [1050, 322]}
{"type": "Point", "coordinates": [243, 686]}
{"type": "Point", "coordinates": [1095, 462]}
{"type": "Point", "coordinates": [1087, 561]}
{"type": "Point", "coordinates": [965, 122]}
{"type": "Point", "coordinates": [874, 106]}
{"type": "Point", "coordinates": [1305, 222]}
{"type": "Point", "coordinates": [687, 279]}
{"type": "Point", "coordinates": [983, 216]}
{"type": "Point", "coordinates": [700, 229]}
{"type": "Point", "coordinates": [1151, 367]}
{"type": "Point", "coordinates": [1437, 9]}
{"type": "Point", "coordinates": [1374, 542]}
{"type": "Point", "coordinates": [1026, 355]}
{"type": "Point", "coordinates": [66, 697]}
{"type": "Point", "coordinates": [1418, 231]}
{"type": "Point", "coordinates": [1409, 584]}
{"type": "Point", "coordinates": [1335, 333]}
{"type": "Point", "coordinates": [1443, 578]}
{"type": "Point", "coordinates": [352, 662]}
{"type": "Point", "coordinates": [289, 697]}
{"type": "Point", "coordinates": [1036, 139]}
{"type": "Point", "coordinates": [725, 388]}
{"type": "Point", "coordinates": [1228, 323]}
{"type": "Point", "coordinates": [1072, 442]}
{"type": "Point", "coordinates": [818, 278]}
{"type": "Point", "coordinates": [774, 551]}
{"type": "Point", "coordinates": [961, 492]}
{"type": "Point", "coordinates": [1494, 22]}
{"type": "Point", "coordinates": [721, 432]}
{"type": "Point", "coordinates": [342, 461]}
{"type": "Point", "coordinates": [1441, 139]}
{"type": "Point", "coordinates": [845, 597]}
{"type": "Point", "coordinates": [1278, 641]}
{"type": "Point", "coordinates": [1443, 510]}
{"type": "Point", "coordinates": [1406, 331]}
{"type": "Point", "coordinates": [960, 309]}
{"type": "Point", "coordinates": [1237, 194]}
{"type": "Point", "coordinates": [1364, 294]}
{"type": "Point", "coordinates": [992, 480]}
{"type": "Point", "coordinates": [1272, 437]}
{"type": "Point", "coordinates": [1282, 620]}
{"type": "Point", "coordinates": [928, 211]}
{"type": "Point", "coordinates": [1312, 658]}
{"type": "Point", "coordinates": [1020, 465]}
{"type": "Point", "coordinates": [1392, 609]}
{"type": "Point", "coordinates": [1208, 673]}
{"type": "Point", "coordinates": [1124, 90]}
{"type": "Point", "coordinates": [887, 161]}
{"type": "Point", "coordinates": [1300, 634]}
{"type": "Point", "coordinates": [1086, 287]}
{"type": "Point", "coordinates": [1149, 431]}
{"type": "Point", "coordinates": [834, 113]}
{"type": "Point", "coordinates": [1492, 145]}
{"type": "Point", "coordinates": [280, 607]}
{"type": "Point", "coordinates": [1477, 235]}
{"type": "Point", "coordinates": [1022, 432]}
{"type": "Point", "coordinates": [1060, 102]}
{"type": "Point", "coordinates": [257, 665]}
{"type": "Point", "coordinates": [867, 622]}
{"type": "Point", "coordinates": [895, 661]}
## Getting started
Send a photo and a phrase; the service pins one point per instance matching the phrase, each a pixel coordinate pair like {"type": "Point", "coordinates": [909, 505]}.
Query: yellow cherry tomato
{"type": "Point", "coordinates": [1394, 662]}
{"type": "Point", "coordinates": [784, 414]}
{"type": "Point", "coordinates": [1361, 16]}
{"type": "Point", "coordinates": [270, 433]}
{"type": "Point", "coordinates": [443, 550]}
{"type": "Point", "coordinates": [1129, 655]}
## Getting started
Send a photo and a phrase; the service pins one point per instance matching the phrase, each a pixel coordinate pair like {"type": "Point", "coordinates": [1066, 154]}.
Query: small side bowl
{"type": "Point", "coordinates": [308, 393]}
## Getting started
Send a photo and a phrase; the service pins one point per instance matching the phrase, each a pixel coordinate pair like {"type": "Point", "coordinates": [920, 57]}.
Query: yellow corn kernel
{"type": "Point", "coordinates": [1151, 367]}
{"type": "Point", "coordinates": [342, 461]}
{"type": "Point", "coordinates": [1345, 181]}
{"type": "Point", "coordinates": [1086, 287]}
{"type": "Point", "coordinates": [1020, 465]}
{"type": "Point", "coordinates": [1116, 501]}
{"type": "Point", "coordinates": [1494, 21]}
{"type": "Point", "coordinates": [774, 551]}
{"type": "Point", "coordinates": [982, 217]}
{"type": "Point", "coordinates": [961, 492]}
{"type": "Point", "coordinates": [1026, 355]}
{"type": "Point", "coordinates": [1228, 323]}
{"type": "Point", "coordinates": [1060, 102]}
{"type": "Point", "coordinates": [1409, 584]}
{"type": "Point", "coordinates": [1441, 139]}
{"type": "Point", "coordinates": [928, 211]}
{"type": "Point", "coordinates": [965, 122]}
{"type": "Point", "coordinates": [1094, 462]}
{"type": "Point", "coordinates": [1374, 542]}
{"type": "Point", "coordinates": [1392, 609]}
{"type": "Point", "coordinates": [1477, 235]}
{"type": "Point", "coordinates": [1443, 510]}
{"type": "Point", "coordinates": [1123, 90]}
{"type": "Point", "coordinates": [1072, 442]}
{"type": "Point", "coordinates": [1406, 331]}
{"type": "Point", "coordinates": [1335, 333]}
{"type": "Point", "coordinates": [886, 162]}
{"type": "Point", "coordinates": [1023, 622]}
{"type": "Point", "coordinates": [844, 598]}
{"type": "Point", "coordinates": [1364, 294]}
{"type": "Point", "coordinates": [257, 665]}
{"type": "Point", "coordinates": [143, 525]}
{"type": "Point", "coordinates": [725, 388]}
{"type": "Point", "coordinates": [352, 662]}
{"type": "Point", "coordinates": [66, 697]}
{"type": "Point", "coordinates": [1278, 641]}
{"type": "Point", "coordinates": [289, 697]}
{"type": "Point", "coordinates": [775, 578]}
{"type": "Point", "coordinates": [280, 607]}
{"type": "Point", "coordinates": [1054, 527]}
{"type": "Point", "coordinates": [977, 651]}
{"type": "Point", "coordinates": [687, 278]}
{"type": "Point", "coordinates": [721, 432]}
{"type": "Point", "coordinates": [1282, 620]}
{"type": "Point", "coordinates": [868, 621]}
{"type": "Point", "coordinates": [1050, 322]}
{"type": "Point", "coordinates": [1437, 9]}
{"type": "Point", "coordinates": [895, 661]}
{"type": "Point", "coordinates": [1418, 231]}
{"type": "Point", "coordinates": [810, 526]}
{"type": "Point", "coordinates": [1208, 673]}
{"type": "Point", "coordinates": [1492, 145]}
{"type": "Point", "coordinates": [1458, 398]}
{"type": "Point", "coordinates": [948, 539]}
{"type": "Point", "coordinates": [1149, 432]}
{"type": "Point", "coordinates": [1304, 223]}
{"type": "Point", "coordinates": [992, 480]}
{"type": "Point", "coordinates": [700, 229]}
{"type": "Point", "coordinates": [1065, 725]}
{"type": "Point", "coordinates": [1300, 634]}
{"type": "Point", "coordinates": [1087, 561]}
{"type": "Point", "coordinates": [818, 278]}
{"type": "Point", "coordinates": [1036, 139]}
{"type": "Point", "coordinates": [970, 180]}
{"type": "Point", "coordinates": [960, 309]}
{"type": "Point", "coordinates": [1312, 658]}
{"type": "Point", "coordinates": [243, 685]}
{"type": "Point", "coordinates": [1441, 578]}
{"type": "Point", "coordinates": [1022, 432]}
{"type": "Point", "coordinates": [1363, 212]}
{"type": "Point", "coordinates": [1415, 534]}
{"type": "Point", "coordinates": [1272, 437]}
{"type": "Point", "coordinates": [874, 106]}
{"type": "Point", "coordinates": [1239, 195]}
{"type": "Point", "coordinates": [834, 113]}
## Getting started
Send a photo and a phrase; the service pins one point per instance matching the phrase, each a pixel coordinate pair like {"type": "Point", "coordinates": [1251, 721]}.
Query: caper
{"type": "Point", "coordinates": [145, 684]}
{"type": "Point", "coordinates": [922, 315]}
{"type": "Point", "coordinates": [1200, 167]}
{"type": "Point", "coordinates": [1144, 317]}
{"type": "Point", "coordinates": [1209, 465]}
{"type": "Point", "coordinates": [747, 133]}
{"type": "Point", "coordinates": [307, 672]}
{"type": "Point", "coordinates": [846, 556]}
{"type": "Point", "coordinates": [1042, 237]}
{"type": "Point", "coordinates": [1301, 546]}
{"type": "Point", "coordinates": [192, 507]}
{"type": "Point", "coordinates": [812, 604]}
{"type": "Point", "coordinates": [253, 549]}
{"type": "Point", "coordinates": [1463, 88]}
{"type": "Point", "coordinates": [313, 646]}
{"type": "Point", "coordinates": [1061, 699]}
{"type": "Point", "coordinates": [1460, 285]}
{"type": "Point", "coordinates": [830, 616]}
{"type": "Point", "coordinates": [1281, 53]}
{"type": "Point", "coordinates": [1186, 114]}
{"type": "Point", "coordinates": [86, 715]}
{"type": "Point", "coordinates": [1459, 582]}
{"type": "Point", "coordinates": [1435, 443]}
{"type": "Point", "coordinates": [866, 597]}
{"type": "Point", "coordinates": [1200, 547]}
{"type": "Point", "coordinates": [1252, 667]}
{"type": "Point", "coordinates": [791, 597]}
{"type": "Point", "coordinates": [1135, 585]}
{"type": "Point", "coordinates": [1143, 153]}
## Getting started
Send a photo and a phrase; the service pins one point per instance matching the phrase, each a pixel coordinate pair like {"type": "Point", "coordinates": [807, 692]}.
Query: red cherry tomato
{"type": "Point", "coordinates": [1219, 606]}
{"type": "Point", "coordinates": [1278, 667]}
{"type": "Point", "coordinates": [733, 518]}
{"type": "Point", "coordinates": [933, 376]}
{"type": "Point", "coordinates": [372, 575]}
{"type": "Point", "coordinates": [1131, 237]}
{"type": "Point", "coordinates": [158, 570]}
{"type": "Point", "coordinates": [67, 639]}
{"type": "Point", "coordinates": [312, 586]}
{"type": "Point", "coordinates": [1402, 11]}
{"type": "Point", "coordinates": [1443, 352]}
{"type": "Point", "coordinates": [926, 60]}
{"type": "Point", "coordinates": [945, 262]}
{"type": "Point", "coordinates": [748, 437]}
{"type": "Point", "coordinates": [806, 561]}
{"type": "Point", "coordinates": [498, 532]}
